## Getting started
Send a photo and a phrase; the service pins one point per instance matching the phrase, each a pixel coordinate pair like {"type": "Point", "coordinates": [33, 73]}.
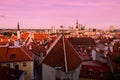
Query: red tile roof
{"type": "Point", "coordinates": [37, 49]}
{"type": "Point", "coordinates": [56, 55]}
{"type": "Point", "coordinates": [84, 56]}
{"type": "Point", "coordinates": [14, 37]}
{"type": "Point", "coordinates": [3, 51]}
{"type": "Point", "coordinates": [95, 67]}
{"type": "Point", "coordinates": [82, 41]}
{"type": "Point", "coordinates": [40, 36]}
{"type": "Point", "coordinates": [103, 41]}
{"type": "Point", "coordinates": [14, 54]}
{"type": "Point", "coordinates": [24, 35]}
{"type": "Point", "coordinates": [3, 39]}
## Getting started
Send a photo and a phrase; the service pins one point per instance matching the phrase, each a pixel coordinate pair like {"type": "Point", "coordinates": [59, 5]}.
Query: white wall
{"type": "Point", "coordinates": [32, 70]}
{"type": "Point", "coordinates": [76, 74]}
{"type": "Point", "coordinates": [93, 55]}
{"type": "Point", "coordinates": [49, 73]}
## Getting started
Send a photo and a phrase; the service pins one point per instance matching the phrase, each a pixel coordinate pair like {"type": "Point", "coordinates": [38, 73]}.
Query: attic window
{"type": "Point", "coordinates": [12, 56]}
{"type": "Point", "coordinates": [90, 72]}
{"type": "Point", "coordinates": [101, 73]}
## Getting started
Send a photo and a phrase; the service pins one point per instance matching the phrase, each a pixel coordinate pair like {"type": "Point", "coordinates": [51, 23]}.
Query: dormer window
{"type": "Point", "coordinates": [90, 72]}
{"type": "Point", "coordinates": [12, 56]}
{"type": "Point", "coordinates": [101, 73]}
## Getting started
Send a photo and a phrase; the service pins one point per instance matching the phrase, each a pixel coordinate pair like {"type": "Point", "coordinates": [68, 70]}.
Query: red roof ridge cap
{"type": "Point", "coordinates": [53, 44]}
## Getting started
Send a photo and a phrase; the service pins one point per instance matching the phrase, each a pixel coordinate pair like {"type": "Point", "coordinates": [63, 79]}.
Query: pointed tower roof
{"type": "Point", "coordinates": [77, 23]}
{"type": "Point", "coordinates": [62, 54]}
{"type": "Point", "coordinates": [18, 26]}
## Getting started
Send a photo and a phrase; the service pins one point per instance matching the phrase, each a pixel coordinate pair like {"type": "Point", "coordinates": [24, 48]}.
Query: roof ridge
{"type": "Point", "coordinates": [62, 55]}
{"type": "Point", "coordinates": [26, 53]}
{"type": "Point", "coordinates": [72, 46]}
{"type": "Point", "coordinates": [54, 43]}
{"type": "Point", "coordinates": [65, 58]}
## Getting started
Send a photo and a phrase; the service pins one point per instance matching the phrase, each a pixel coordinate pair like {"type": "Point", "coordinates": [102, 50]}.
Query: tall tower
{"type": "Point", "coordinates": [18, 31]}
{"type": "Point", "coordinates": [77, 25]}
{"type": "Point", "coordinates": [77, 28]}
{"type": "Point", "coordinates": [111, 28]}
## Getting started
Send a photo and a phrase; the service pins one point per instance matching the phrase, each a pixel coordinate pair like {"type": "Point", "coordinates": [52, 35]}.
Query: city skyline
{"type": "Point", "coordinates": [46, 13]}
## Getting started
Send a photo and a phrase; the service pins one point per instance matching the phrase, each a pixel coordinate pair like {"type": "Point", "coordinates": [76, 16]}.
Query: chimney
{"type": "Point", "coordinates": [111, 48]}
{"type": "Point", "coordinates": [30, 47]}
{"type": "Point", "coordinates": [93, 54]}
{"type": "Point", "coordinates": [16, 43]}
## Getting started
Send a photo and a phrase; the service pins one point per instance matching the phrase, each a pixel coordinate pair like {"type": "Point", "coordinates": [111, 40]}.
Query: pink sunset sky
{"type": "Point", "coordinates": [40, 14]}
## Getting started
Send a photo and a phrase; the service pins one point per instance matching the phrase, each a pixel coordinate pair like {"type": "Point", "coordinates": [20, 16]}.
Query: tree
{"type": "Point", "coordinates": [7, 34]}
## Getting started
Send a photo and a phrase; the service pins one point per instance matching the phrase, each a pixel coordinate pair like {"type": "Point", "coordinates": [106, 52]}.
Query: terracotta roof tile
{"type": "Point", "coordinates": [82, 41]}
{"type": "Point", "coordinates": [3, 51]}
{"type": "Point", "coordinates": [56, 57]}
{"type": "Point", "coordinates": [40, 36]}
{"type": "Point", "coordinates": [37, 49]}
{"type": "Point", "coordinates": [3, 39]}
{"type": "Point", "coordinates": [24, 35]}
{"type": "Point", "coordinates": [84, 56]}
{"type": "Point", "coordinates": [14, 54]}
{"type": "Point", "coordinates": [14, 37]}
{"type": "Point", "coordinates": [95, 67]}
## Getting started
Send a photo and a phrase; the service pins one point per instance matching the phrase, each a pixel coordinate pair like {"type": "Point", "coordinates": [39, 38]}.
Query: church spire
{"type": "Point", "coordinates": [77, 23]}
{"type": "Point", "coordinates": [18, 26]}
{"type": "Point", "coordinates": [18, 31]}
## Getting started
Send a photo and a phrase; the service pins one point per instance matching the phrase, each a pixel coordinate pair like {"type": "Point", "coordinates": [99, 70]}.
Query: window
{"type": "Point", "coordinates": [14, 64]}
{"type": "Point", "coordinates": [24, 64]}
{"type": "Point", "coordinates": [57, 73]}
{"type": "Point", "coordinates": [8, 65]}
{"type": "Point", "coordinates": [0, 65]}
{"type": "Point", "coordinates": [12, 56]}
{"type": "Point", "coordinates": [90, 72]}
{"type": "Point", "coordinates": [101, 73]}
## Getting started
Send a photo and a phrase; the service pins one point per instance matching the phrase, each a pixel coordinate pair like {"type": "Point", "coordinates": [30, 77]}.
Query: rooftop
{"type": "Point", "coordinates": [14, 54]}
{"type": "Point", "coordinates": [62, 54]}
